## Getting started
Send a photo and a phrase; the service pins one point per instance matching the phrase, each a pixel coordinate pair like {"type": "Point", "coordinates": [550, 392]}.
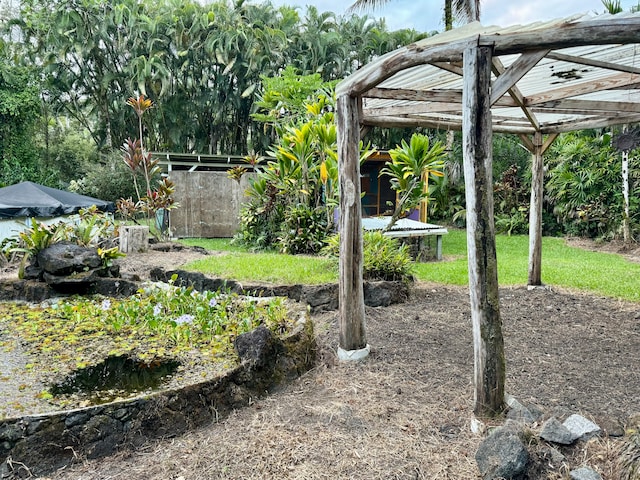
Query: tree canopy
{"type": "Point", "coordinates": [202, 65]}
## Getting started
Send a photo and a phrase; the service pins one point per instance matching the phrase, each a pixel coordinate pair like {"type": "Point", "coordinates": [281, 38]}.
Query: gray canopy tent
{"type": "Point", "coordinates": [26, 200]}
{"type": "Point", "coordinates": [535, 81]}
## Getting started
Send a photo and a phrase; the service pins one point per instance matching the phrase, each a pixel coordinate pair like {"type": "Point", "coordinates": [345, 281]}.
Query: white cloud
{"type": "Point", "coordinates": [426, 15]}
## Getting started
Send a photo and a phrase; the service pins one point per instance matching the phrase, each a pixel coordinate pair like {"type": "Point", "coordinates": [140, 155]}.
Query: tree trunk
{"type": "Point", "coordinates": [489, 361]}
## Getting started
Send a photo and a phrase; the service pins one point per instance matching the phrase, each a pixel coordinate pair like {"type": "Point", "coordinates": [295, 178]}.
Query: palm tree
{"type": "Point", "coordinates": [466, 10]}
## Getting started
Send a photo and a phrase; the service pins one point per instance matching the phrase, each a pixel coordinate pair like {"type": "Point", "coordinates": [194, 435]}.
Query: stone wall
{"type": "Point", "coordinates": [318, 297]}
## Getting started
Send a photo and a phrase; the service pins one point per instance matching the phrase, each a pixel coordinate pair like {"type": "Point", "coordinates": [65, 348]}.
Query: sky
{"type": "Point", "coordinates": [426, 15]}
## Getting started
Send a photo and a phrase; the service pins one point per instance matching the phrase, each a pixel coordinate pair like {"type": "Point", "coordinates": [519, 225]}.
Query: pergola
{"type": "Point", "coordinates": [535, 81]}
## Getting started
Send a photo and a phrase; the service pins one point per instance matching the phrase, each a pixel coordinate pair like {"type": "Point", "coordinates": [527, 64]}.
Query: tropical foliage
{"type": "Point", "coordinates": [234, 78]}
{"type": "Point", "coordinates": [384, 258]}
{"type": "Point", "coordinates": [411, 166]}
{"type": "Point", "coordinates": [89, 227]}
{"type": "Point", "coordinates": [19, 113]}
{"type": "Point", "coordinates": [293, 198]}
{"type": "Point", "coordinates": [584, 186]}
{"type": "Point", "coordinates": [201, 65]}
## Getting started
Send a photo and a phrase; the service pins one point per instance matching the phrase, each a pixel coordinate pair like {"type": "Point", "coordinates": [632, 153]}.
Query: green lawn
{"type": "Point", "coordinates": [240, 264]}
{"type": "Point", "coordinates": [601, 273]}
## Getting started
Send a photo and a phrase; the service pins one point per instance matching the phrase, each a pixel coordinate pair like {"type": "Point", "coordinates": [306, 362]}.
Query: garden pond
{"type": "Point", "coordinates": [74, 352]}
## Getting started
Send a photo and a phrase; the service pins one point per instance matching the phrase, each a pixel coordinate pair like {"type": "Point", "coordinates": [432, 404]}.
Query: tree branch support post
{"type": "Point", "coordinates": [626, 227]}
{"type": "Point", "coordinates": [353, 339]}
{"type": "Point", "coordinates": [489, 360]}
{"type": "Point", "coordinates": [535, 213]}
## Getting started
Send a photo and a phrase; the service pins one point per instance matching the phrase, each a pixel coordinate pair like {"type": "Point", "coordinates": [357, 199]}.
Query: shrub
{"type": "Point", "coordinates": [110, 180]}
{"type": "Point", "coordinates": [511, 202]}
{"type": "Point", "coordinates": [305, 230]}
{"type": "Point", "coordinates": [383, 257]}
{"type": "Point", "coordinates": [259, 228]}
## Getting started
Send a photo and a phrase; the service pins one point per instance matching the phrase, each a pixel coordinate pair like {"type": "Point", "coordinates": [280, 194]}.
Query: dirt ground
{"type": "Point", "coordinates": [405, 412]}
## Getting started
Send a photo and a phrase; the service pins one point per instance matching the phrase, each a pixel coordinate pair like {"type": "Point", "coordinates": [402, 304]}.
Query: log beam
{"type": "Point", "coordinates": [489, 360]}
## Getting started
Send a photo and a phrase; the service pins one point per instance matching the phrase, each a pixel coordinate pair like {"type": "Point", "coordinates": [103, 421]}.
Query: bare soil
{"type": "Point", "coordinates": [405, 412]}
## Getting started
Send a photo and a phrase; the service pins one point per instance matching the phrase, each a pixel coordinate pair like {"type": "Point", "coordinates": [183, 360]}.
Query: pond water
{"type": "Point", "coordinates": [115, 377]}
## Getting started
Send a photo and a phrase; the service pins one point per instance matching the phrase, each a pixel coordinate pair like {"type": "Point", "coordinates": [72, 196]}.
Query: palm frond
{"type": "Point", "coordinates": [362, 5]}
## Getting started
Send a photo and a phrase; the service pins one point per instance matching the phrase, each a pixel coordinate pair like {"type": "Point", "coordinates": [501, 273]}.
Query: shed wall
{"type": "Point", "coordinates": [209, 204]}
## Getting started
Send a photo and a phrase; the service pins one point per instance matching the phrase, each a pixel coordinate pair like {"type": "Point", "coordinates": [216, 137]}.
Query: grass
{"type": "Point", "coordinates": [242, 265]}
{"type": "Point", "coordinates": [605, 274]}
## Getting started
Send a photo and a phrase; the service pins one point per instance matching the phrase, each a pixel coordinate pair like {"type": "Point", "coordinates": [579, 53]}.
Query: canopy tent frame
{"type": "Point", "coordinates": [536, 81]}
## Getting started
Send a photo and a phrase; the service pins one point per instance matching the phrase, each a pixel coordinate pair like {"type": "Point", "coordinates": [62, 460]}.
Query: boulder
{"type": "Point", "coordinates": [385, 293]}
{"type": "Point", "coordinates": [580, 427]}
{"type": "Point", "coordinates": [503, 454]}
{"type": "Point", "coordinates": [556, 432]}
{"type": "Point", "coordinates": [62, 259]}
{"type": "Point", "coordinates": [519, 412]}
{"type": "Point", "coordinates": [320, 297]}
{"type": "Point", "coordinates": [259, 346]}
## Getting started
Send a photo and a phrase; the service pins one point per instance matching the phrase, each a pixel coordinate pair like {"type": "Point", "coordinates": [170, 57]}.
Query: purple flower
{"type": "Point", "coordinates": [106, 304]}
{"type": "Point", "coordinates": [184, 319]}
{"type": "Point", "coordinates": [213, 302]}
{"type": "Point", "coordinates": [157, 310]}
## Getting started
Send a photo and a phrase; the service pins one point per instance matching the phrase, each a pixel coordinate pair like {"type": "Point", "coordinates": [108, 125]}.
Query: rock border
{"type": "Point", "coordinates": [319, 297]}
{"type": "Point", "coordinates": [525, 446]}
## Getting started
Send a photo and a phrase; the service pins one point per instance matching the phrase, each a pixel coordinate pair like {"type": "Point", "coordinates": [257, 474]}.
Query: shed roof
{"type": "Point", "coordinates": [566, 74]}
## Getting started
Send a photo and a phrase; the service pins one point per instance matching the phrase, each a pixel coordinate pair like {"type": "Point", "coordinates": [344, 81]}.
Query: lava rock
{"type": "Point", "coordinates": [503, 454]}
{"type": "Point", "coordinates": [65, 258]}
{"type": "Point", "coordinates": [556, 432]}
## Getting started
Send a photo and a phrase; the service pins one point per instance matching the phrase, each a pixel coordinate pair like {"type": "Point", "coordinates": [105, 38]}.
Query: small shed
{"type": "Point", "coordinates": [535, 81]}
{"type": "Point", "coordinates": [23, 201]}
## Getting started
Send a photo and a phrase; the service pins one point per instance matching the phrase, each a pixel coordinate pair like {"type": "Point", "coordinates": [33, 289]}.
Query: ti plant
{"type": "Point", "coordinates": [149, 166]}
{"type": "Point", "coordinates": [137, 159]}
{"type": "Point", "coordinates": [410, 168]}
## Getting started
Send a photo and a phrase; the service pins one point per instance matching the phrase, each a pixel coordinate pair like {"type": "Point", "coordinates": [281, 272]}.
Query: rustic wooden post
{"type": "Point", "coordinates": [626, 228]}
{"type": "Point", "coordinates": [535, 212]}
{"type": "Point", "coordinates": [489, 361]}
{"type": "Point", "coordinates": [353, 339]}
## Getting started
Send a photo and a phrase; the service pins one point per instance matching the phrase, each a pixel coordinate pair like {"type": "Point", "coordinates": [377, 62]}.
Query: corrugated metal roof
{"type": "Point", "coordinates": [403, 224]}
{"type": "Point", "coordinates": [587, 75]}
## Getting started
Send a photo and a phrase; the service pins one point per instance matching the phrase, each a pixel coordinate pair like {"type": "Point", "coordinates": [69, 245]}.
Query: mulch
{"type": "Point", "coordinates": [405, 412]}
